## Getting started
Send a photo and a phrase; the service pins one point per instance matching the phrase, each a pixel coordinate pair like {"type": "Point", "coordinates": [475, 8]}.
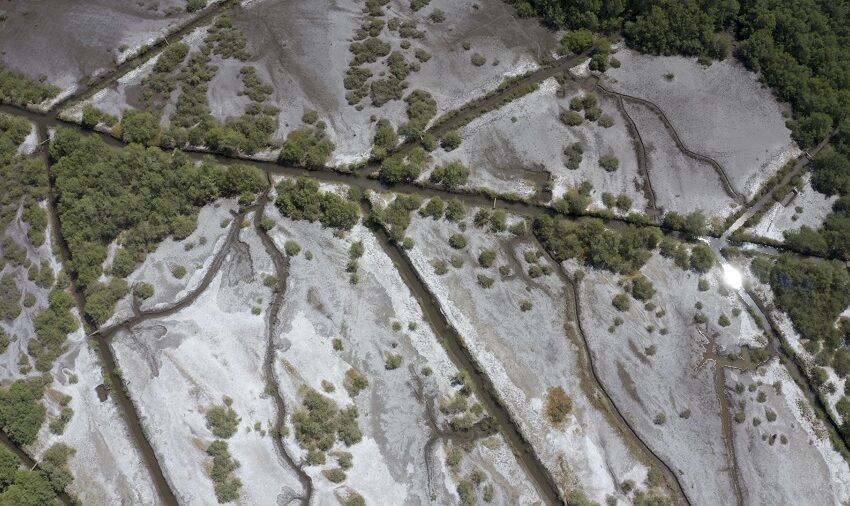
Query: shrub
{"type": "Point", "coordinates": [559, 405]}
{"type": "Point", "coordinates": [723, 321]}
{"type": "Point", "coordinates": [450, 141]}
{"type": "Point", "coordinates": [385, 139]}
{"type": "Point", "coordinates": [450, 174]}
{"type": "Point", "coordinates": [354, 382]}
{"type": "Point", "coordinates": [525, 305]}
{"type": "Point", "coordinates": [225, 485]}
{"type": "Point", "coordinates": [434, 208]}
{"type": "Point", "coordinates": [178, 271]}
{"type": "Point", "coordinates": [21, 410]}
{"type": "Point", "coordinates": [392, 361]}
{"type": "Point", "coordinates": [143, 290]}
{"type": "Point", "coordinates": [140, 126]}
{"type": "Point", "coordinates": [609, 162]}
{"type": "Point", "coordinates": [642, 288]}
{"type": "Point", "coordinates": [478, 60]}
{"type": "Point", "coordinates": [291, 248]}
{"type": "Point", "coordinates": [195, 5]}
{"type": "Point", "coordinates": [457, 241]}
{"type": "Point", "coordinates": [306, 147]}
{"type": "Point", "coordinates": [455, 210]}
{"type": "Point", "coordinates": [702, 258]}
{"type": "Point", "coordinates": [222, 421]}
{"type": "Point", "coordinates": [300, 199]}
{"type": "Point", "coordinates": [486, 258]}
{"type": "Point", "coordinates": [570, 118]}
{"type": "Point", "coordinates": [621, 302]}
{"type": "Point", "coordinates": [606, 121]}
{"type": "Point", "coordinates": [485, 281]}
{"type": "Point", "coordinates": [592, 113]}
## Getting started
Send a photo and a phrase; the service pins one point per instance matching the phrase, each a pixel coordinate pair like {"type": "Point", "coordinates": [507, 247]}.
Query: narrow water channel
{"type": "Point", "coordinates": [480, 382]}
{"type": "Point", "coordinates": [107, 359]}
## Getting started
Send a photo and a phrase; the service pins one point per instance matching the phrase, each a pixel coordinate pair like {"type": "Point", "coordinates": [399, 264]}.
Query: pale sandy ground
{"type": "Point", "coordinates": [391, 463]}
{"type": "Point", "coordinates": [525, 353]}
{"type": "Point", "coordinates": [501, 147]}
{"type": "Point", "coordinates": [778, 219]}
{"type": "Point", "coordinates": [107, 466]}
{"type": "Point", "coordinates": [156, 269]}
{"type": "Point", "coordinates": [84, 41]}
{"type": "Point", "coordinates": [676, 377]}
{"type": "Point", "coordinates": [681, 183]}
{"type": "Point", "coordinates": [179, 366]}
{"type": "Point", "coordinates": [721, 111]}
{"type": "Point", "coordinates": [806, 470]}
{"type": "Point", "coordinates": [303, 47]}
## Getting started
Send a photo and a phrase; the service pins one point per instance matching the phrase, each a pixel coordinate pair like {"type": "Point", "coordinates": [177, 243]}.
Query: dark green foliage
{"type": "Point", "coordinates": [222, 421]}
{"type": "Point", "coordinates": [195, 5]}
{"type": "Point", "coordinates": [395, 218]}
{"type": "Point", "coordinates": [570, 118]}
{"type": "Point", "coordinates": [450, 141]}
{"type": "Point", "coordinates": [400, 168]}
{"type": "Point", "coordinates": [574, 154]}
{"type": "Point", "coordinates": [16, 89]}
{"type": "Point", "coordinates": [54, 466]}
{"type": "Point", "coordinates": [320, 422]}
{"type": "Point", "coordinates": [226, 40]}
{"type": "Point", "coordinates": [622, 250]}
{"type": "Point", "coordinates": [642, 288]}
{"type": "Point", "coordinates": [385, 139]}
{"type": "Point", "coordinates": [455, 210]}
{"type": "Point", "coordinates": [382, 91]}
{"type": "Point", "coordinates": [92, 116]}
{"type": "Point", "coordinates": [477, 59]}
{"type": "Point", "coordinates": [813, 293]}
{"type": "Point", "coordinates": [421, 108]}
{"type": "Point", "coordinates": [30, 488]}
{"type": "Point", "coordinates": [300, 199]}
{"type": "Point", "coordinates": [226, 486]}
{"type": "Point", "coordinates": [621, 302]}
{"type": "Point", "coordinates": [457, 241]}
{"type": "Point", "coordinates": [369, 50]}
{"type": "Point", "coordinates": [434, 208]}
{"type": "Point", "coordinates": [486, 258]}
{"type": "Point", "coordinates": [140, 126]}
{"type": "Point", "coordinates": [101, 298]}
{"type": "Point", "coordinates": [21, 410]}
{"type": "Point", "coordinates": [609, 162]}
{"type": "Point", "coordinates": [52, 325]}
{"type": "Point", "coordinates": [306, 147]}
{"type": "Point", "coordinates": [142, 194]}
{"type": "Point", "coordinates": [10, 297]}
{"type": "Point", "coordinates": [702, 258]}
{"type": "Point", "coordinates": [450, 174]}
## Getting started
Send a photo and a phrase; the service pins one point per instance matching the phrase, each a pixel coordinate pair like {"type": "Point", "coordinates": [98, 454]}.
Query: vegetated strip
{"type": "Point", "coordinates": [473, 197]}
{"type": "Point", "coordinates": [767, 192]}
{"type": "Point", "coordinates": [461, 357]}
{"type": "Point", "coordinates": [796, 368]}
{"type": "Point", "coordinates": [573, 306]}
{"type": "Point", "coordinates": [721, 172]}
{"type": "Point", "coordinates": [145, 54]}
{"type": "Point", "coordinates": [125, 405]}
{"type": "Point", "coordinates": [31, 464]}
{"type": "Point", "coordinates": [281, 268]}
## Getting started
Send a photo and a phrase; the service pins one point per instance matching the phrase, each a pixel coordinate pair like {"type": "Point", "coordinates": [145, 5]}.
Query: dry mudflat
{"type": "Point", "coordinates": [527, 352]}
{"type": "Point", "coordinates": [809, 208]}
{"type": "Point", "coordinates": [658, 367]}
{"type": "Point", "coordinates": [520, 146]}
{"type": "Point", "coordinates": [780, 437]}
{"type": "Point", "coordinates": [403, 412]}
{"type": "Point", "coordinates": [720, 111]}
{"type": "Point", "coordinates": [87, 39]}
{"type": "Point", "coordinates": [177, 367]}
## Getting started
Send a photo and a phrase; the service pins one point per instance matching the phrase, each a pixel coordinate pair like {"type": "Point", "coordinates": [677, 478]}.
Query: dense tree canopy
{"type": "Point", "coordinates": [141, 194]}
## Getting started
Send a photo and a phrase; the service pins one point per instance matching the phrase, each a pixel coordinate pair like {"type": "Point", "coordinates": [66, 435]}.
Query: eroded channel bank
{"type": "Point", "coordinates": [281, 268]}
{"type": "Point", "coordinates": [459, 355]}
{"type": "Point", "coordinates": [107, 359]}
